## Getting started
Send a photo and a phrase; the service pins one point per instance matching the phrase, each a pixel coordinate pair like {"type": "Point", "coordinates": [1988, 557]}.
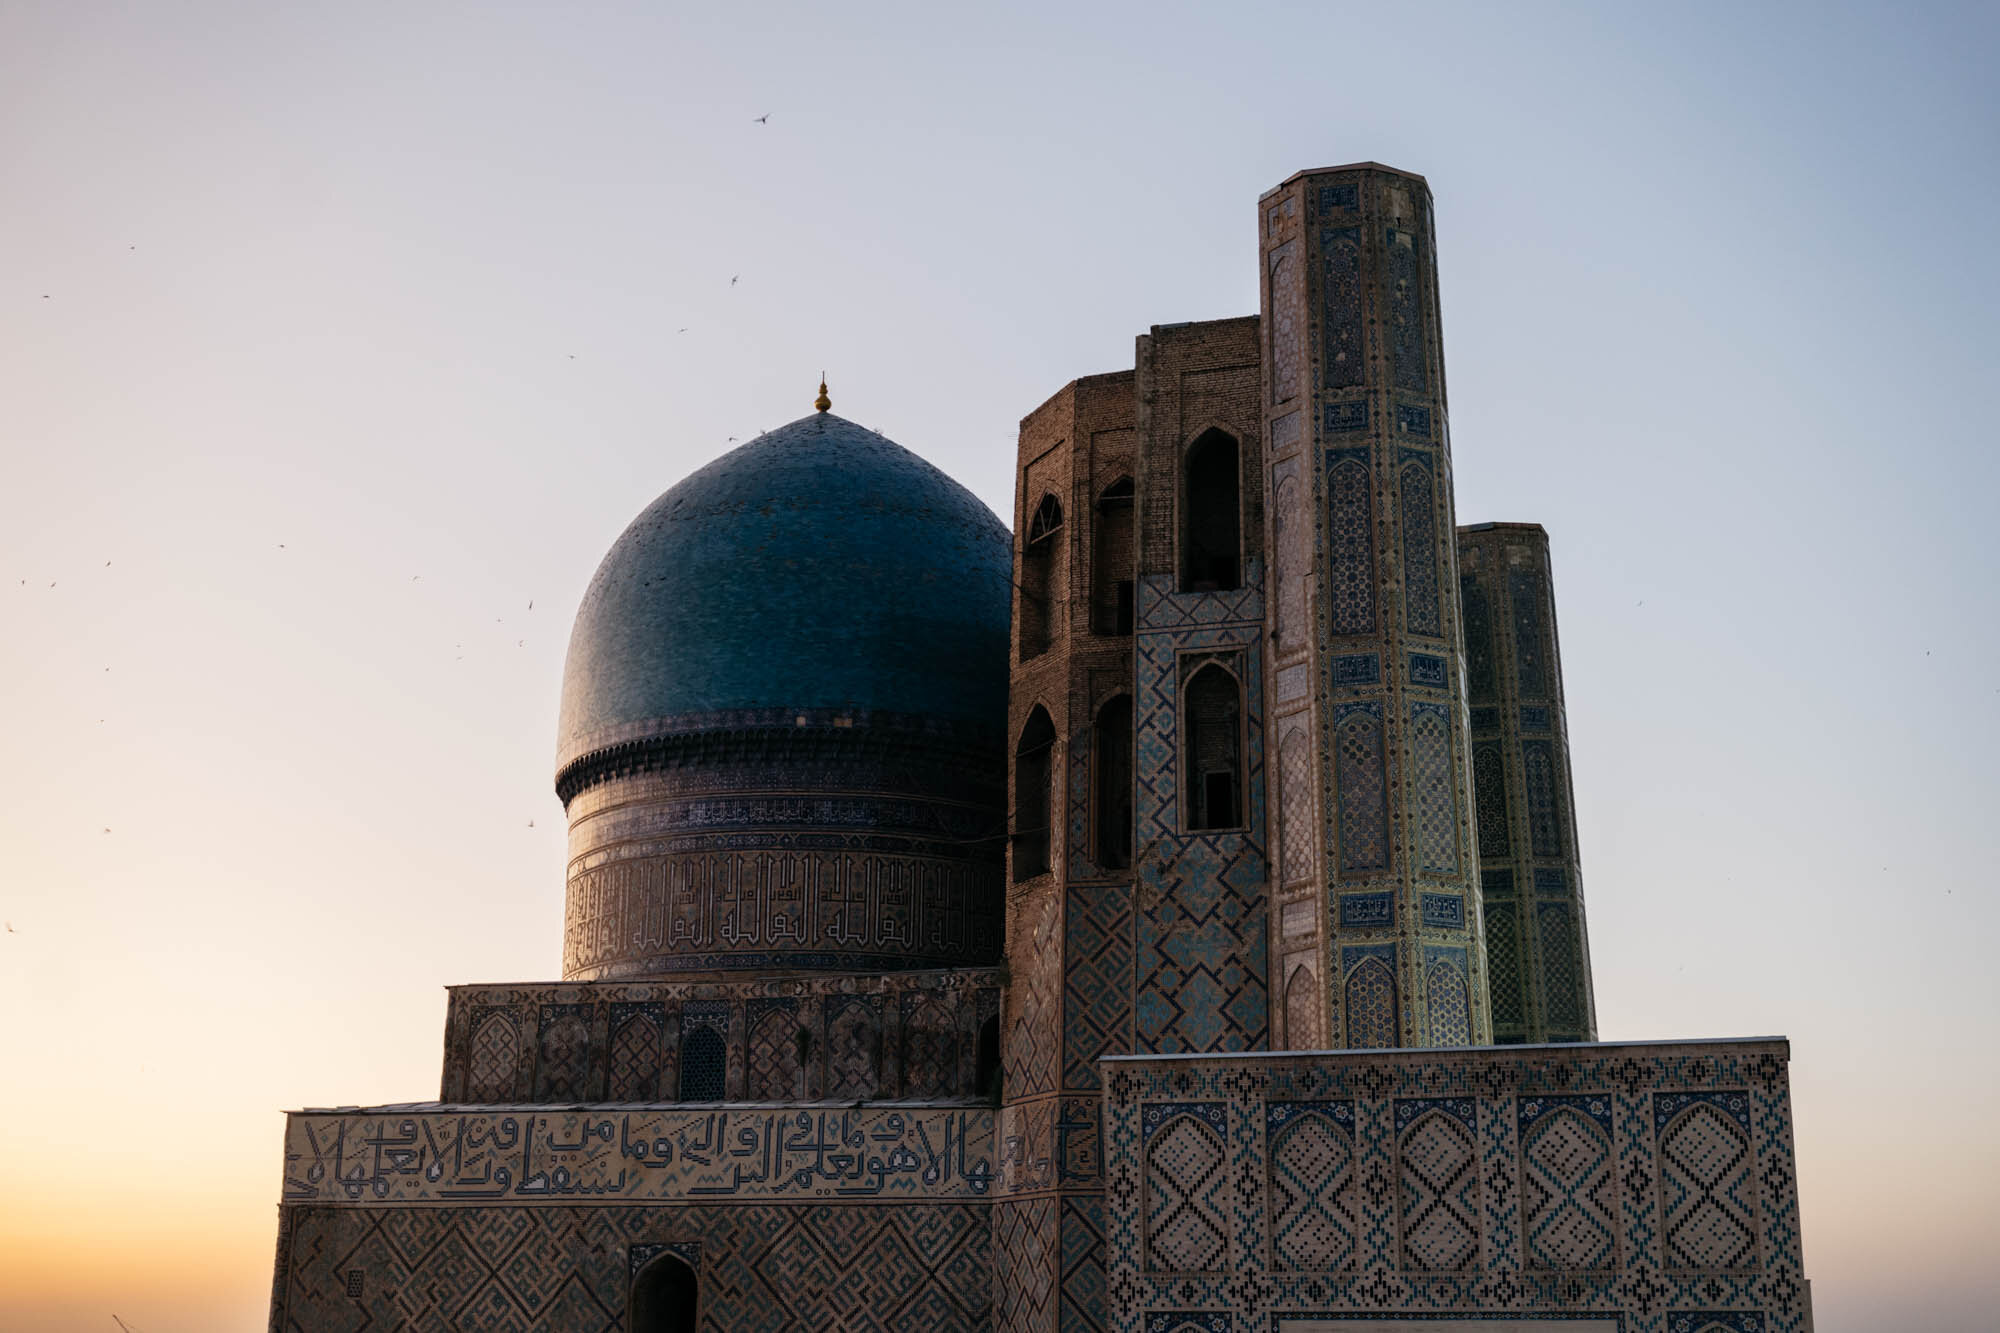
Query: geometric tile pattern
{"type": "Point", "coordinates": [495, 1053]}
{"type": "Point", "coordinates": [930, 1046]}
{"type": "Point", "coordinates": [1420, 553]}
{"type": "Point", "coordinates": [1406, 311]}
{"type": "Point", "coordinates": [1489, 794]}
{"type": "Point", "coordinates": [853, 1039]}
{"type": "Point", "coordinates": [1503, 967]}
{"type": "Point", "coordinates": [1186, 1225]}
{"type": "Point", "coordinates": [1315, 1217]}
{"type": "Point", "coordinates": [1295, 828]}
{"type": "Point", "coordinates": [1450, 1003]}
{"type": "Point", "coordinates": [761, 1268]}
{"type": "Point", "coordinates": [1491, 1184]}
{"type": "Point", "coordinates": [1480, 677]}
{"type": "Point", "coordinates": [1436, 787]}
{"type": "Point", "coordinates": [1200, 940]}
{"type": "Point", "coordinates": [1569, 1203]}
{"type": "Point", "coordinates": [1370, 1002]}
{"type": "Point", "coordinates": [1529, 664]}
{"type": "Point", "coordinates": [1364, 832]}
{"type": "Point", "coordinates": [1350, 565]}
{"type": "Point", "coordinates": [1097, 979]}
{"type": "Point", "coordinates": [1024, 1275]}
{"type": "Point", "coordinates": [1340, 305]}
{"type": "Point", "coordinates": [634, 1069]}
{"type": "Point", "coordinates": [1437, 1178]}
{"type": "Point", "coordinates": [1082, 1241]}
{"type": "Point", "coordinates": [775, 1071]}
{"type": "Point", "coordinates": [1562, 971]}
{"type": "Point", "coordinates": [562, 1074]}
{"type": "Point", "coordinates": [1707, 1195]}
{"type": "Point", "coordinates": [1544, 814]}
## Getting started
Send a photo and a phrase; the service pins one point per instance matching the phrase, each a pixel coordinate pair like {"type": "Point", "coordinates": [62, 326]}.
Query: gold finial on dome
{"type": "Point", "coordinates": [822, 402]}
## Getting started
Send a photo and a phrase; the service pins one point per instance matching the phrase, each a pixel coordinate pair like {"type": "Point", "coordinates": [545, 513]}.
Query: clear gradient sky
{"type": "Point", "coordinates": [332, 336]}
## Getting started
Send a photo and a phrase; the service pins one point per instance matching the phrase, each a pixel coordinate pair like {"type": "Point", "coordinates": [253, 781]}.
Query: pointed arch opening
{"type": "Point", "coordinates": [1213, 725]}
{"type": "Point", "coordinates": [1039, 558]}
{"type": "Point", "coordinates": [1212, 515]}
{"type": "Point", "coordinates": [1111, 568]}
{"type": "Point", "coordinates": [1033, 782]}
{"type": "Point", "coordinates": [1111, 751]}
{"type": "Point", "coordinates": [666, 1296]}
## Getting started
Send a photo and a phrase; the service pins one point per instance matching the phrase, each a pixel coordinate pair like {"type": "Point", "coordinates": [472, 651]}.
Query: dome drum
{"type": "Point", "coordinates": [783, 722]}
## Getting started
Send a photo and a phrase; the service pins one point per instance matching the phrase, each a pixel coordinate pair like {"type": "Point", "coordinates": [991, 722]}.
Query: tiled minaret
{"type": "Point", "coordinates": [1376, 928]}
{"type": "Point", "coordinates": [1537, 950]}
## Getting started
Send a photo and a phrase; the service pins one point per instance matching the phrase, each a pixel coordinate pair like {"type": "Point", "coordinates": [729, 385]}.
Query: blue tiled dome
{"type": "Point", "coordinates": [818, 568]}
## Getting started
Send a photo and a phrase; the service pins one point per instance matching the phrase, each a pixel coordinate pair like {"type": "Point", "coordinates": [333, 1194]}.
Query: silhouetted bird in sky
{"type": "Point", "coordinates": [733, 277]}
{"type": "Point", "coordinates": [764, 119]}
{"type": "Point", "coordinates": [12, 931]}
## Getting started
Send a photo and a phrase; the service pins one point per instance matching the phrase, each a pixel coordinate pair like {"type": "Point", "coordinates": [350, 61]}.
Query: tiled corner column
{"type": "Point", "coordinates": [1537, 947]}
{"type": "Point", "coordinates": [1378, 906]}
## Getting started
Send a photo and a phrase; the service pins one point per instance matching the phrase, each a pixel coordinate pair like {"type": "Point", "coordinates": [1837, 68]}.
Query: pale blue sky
{"type": "Point", "coordinates": [401, 289]}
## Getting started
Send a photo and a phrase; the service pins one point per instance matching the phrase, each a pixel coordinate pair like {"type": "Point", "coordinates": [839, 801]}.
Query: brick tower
{"type": "Point", "coordinates": [1377, 927]}
{"type": "Point", "coordinates": [1537, 950]}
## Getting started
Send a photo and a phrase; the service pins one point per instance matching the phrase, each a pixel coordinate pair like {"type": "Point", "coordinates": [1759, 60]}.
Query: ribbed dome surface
{"type": "Point", "coordinates": [820, 566]}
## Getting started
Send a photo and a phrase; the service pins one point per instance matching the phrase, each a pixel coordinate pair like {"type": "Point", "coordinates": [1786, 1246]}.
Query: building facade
{"type": "Point", "coordinates": [1155, 921]}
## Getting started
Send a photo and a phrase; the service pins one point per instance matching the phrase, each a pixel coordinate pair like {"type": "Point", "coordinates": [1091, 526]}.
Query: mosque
{"type": "Point", "coordinates": [1165, 919]}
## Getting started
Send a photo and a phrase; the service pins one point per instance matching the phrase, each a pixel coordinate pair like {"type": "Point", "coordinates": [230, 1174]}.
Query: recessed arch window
{"type": "Point", "coordinates": [1211, 515]}
{"type": "Point", "coordinates": [1111, 758]}
{"type": "Point", "coordinates": [1033, 774]}
{"type": "Point", "coordinates": [704, 1063]}
{"type": "Point", "coordinates": [986, 1063]}
{"type": "Point", "coordinates": [1213, 722]}
{"type": "Point", "coordinates": [1111, 579]}
{"type": "Point", "coordinates": [665, 1296]}
{"type": "Point", "coordinates": [1040, 557]}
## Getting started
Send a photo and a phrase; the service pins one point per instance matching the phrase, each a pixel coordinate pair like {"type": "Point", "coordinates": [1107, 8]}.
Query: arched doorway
{"type": "Point", "coordinates": [664, 1296]}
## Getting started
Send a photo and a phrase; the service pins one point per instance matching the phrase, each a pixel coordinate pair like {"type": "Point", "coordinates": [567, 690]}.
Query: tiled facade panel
{"type": "Point", "coordinates": [1650, 1187]}
{"type": "Point", "coordinates": [916, 1036]}
{"type": "Point", "coordinates": [760, 1268]}
{"type": "Point", "coordinates": [1538, 953]}
{"type": "Point", "coordinates": [1362, 394]}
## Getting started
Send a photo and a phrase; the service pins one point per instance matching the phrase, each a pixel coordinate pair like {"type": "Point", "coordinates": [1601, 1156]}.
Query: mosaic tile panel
{"type": "Point", "coordinates": [761, 1268]}
{"type": "Point", "coordinates": [1340, 306]}
{"type": "Point", "coordinates": [1476, 617]}
{"type": "Point", "coordinates": [495, 1055]}
{"type": "Point", "coordinates": [1083, 1295]}
{"type": "Point", "coordinates": [1487, 1184]}
{"type": "Point", "coordinates": [930, 1047]}
{"type": "Point", "coordinates": [1445, 990]}
{"type": "Point", "coordinates": [1530, 659]}
{"type": "Point", "coordinates": [637, 1052]}
{"type": "Point", "coordinates": [776, 1067]}
{"type": "Point", "coordinates": [1562, 969]}
{"type": "Point", "coordinates": [1569, 1198]}
{"type": "Point", "coordinates": [1489, 795]}
{"type": "Point", "coordinates": [563, 1067]}
{"type": "Point", "coordinates": [1024, 1267]}
{"type": "Point", "coordinates": [1417, 498]}
{"type": "Point", "coordinates": [1350, 543]}
{"type": "Point", "coordinates": [1362, 785]}
{"type": "Point", "coordinates": [1707, 1187]}
{"type": "Point", "coordinates": [1504, 980]}
{"type": "Point", "coordinates": [1097, 979]}
{"type": "Point", "coordinates": [1437, 1186]}
{"type": "Point", "coordinates": [1315, 1211]}
{"type": "Point", "coordinates": [1545, 816]}
{"type": "Point", "coordinates": [1369, 1001]}
{"type": "Point", "coordinates": [1435, 784]}
{"type": "Point", "coordinates": [1187, 1228]}
{"type": "Point", "coordinates": [1406, 310]}
{"type": "Point", "coordinates": [1296, 820]}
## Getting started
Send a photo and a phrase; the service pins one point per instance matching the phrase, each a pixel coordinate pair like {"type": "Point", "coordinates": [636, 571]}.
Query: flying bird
{"type": "Point", "coordinates": [531, 604]}
{"type": "Point", "coordinates": [12, 931]}
{"type": "Point", "coordinates": [680, 330]}
{"type": "Point", "coordinates": [733, 277]}
{"type": "Point", "coordinates": [764, 119]}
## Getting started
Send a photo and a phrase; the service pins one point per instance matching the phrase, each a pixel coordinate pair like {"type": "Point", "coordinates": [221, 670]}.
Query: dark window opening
{"type": "Point", "coordinates": [1111, 565]}
{"type": "Point", "coordinates": [1214, 713]}
{"type": "Point", "coordinates": [1212, 522]}
{"type": "Point", "coordinates": [1038, 582]}
{"type": "Point", "coordinates": [664, 1297]}
{"type": "Point", "coordinates": [703, 1062]}
{"type": "Point", "coordinates": [1112, 753]}
{"type": "Point", "coordinates": [986, 1069]}
{"type": "Point", "coordinates": [1033, 760]}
